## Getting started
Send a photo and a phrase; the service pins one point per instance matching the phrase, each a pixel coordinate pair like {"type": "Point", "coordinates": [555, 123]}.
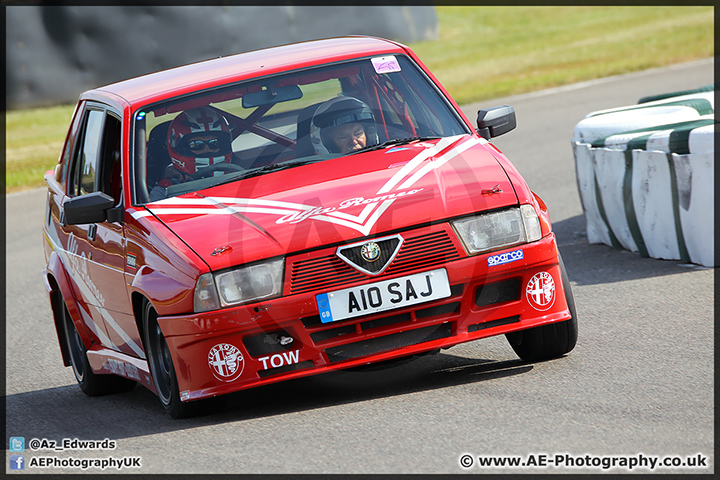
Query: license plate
{"type": "Point", "coordinates": [381, 296]}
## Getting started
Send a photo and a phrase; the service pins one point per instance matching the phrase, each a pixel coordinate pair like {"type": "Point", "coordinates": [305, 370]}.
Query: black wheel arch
{"type": "Point", "coordinates": [56, 305]}
{"type": "Point", "coordinates": [138, 301]}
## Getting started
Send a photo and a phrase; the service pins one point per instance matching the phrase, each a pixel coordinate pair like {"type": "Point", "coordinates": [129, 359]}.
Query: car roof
{"type": "Point", "coordinates": [206, 74]}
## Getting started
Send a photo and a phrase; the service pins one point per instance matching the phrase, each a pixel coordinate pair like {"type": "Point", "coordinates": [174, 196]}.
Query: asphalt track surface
{"type": "Point", "coordinates": [639, 384]}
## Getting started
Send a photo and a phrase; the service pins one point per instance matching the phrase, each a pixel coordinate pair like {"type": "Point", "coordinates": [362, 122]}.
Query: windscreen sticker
{"type": "Point", "coordinates": [387, 64]}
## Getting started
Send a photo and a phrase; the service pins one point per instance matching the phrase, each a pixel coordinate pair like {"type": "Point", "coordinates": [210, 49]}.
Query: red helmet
{"type": "Point", "coordinates": [189, 129]}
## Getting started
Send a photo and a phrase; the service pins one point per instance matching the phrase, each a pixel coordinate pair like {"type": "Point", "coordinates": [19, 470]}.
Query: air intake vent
{"type": "Point", "coordinates": [388, 342]}
{"type": "Point", "coordinates": [499, 292]}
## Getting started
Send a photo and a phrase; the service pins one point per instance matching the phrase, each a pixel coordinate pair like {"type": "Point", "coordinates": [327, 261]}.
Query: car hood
{"type": "Point", "coordinates": [338, 200]}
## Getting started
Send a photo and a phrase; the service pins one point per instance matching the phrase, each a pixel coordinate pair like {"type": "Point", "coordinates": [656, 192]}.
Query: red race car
{"type": "Point", "coordinates": [286, 212]}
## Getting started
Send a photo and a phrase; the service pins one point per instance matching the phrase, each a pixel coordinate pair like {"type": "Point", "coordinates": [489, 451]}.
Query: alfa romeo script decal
{"type": "Point", "coordinates": [398, 186]}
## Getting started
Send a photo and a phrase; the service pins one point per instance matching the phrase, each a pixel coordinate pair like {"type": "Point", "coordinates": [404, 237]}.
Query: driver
{"type": "Point", "coordinates": [197, 138]}
{"type": "Point", "coordinates": [342, 125]}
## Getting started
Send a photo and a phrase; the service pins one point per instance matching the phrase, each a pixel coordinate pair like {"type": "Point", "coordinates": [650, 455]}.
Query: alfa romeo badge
{"type": "Point", "coordinates": [370, 251]}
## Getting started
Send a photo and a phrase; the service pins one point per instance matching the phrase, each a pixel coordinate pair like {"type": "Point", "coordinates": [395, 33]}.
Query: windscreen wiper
{"type": "Point", "coordinates": [392, 143]}
{"type": "Point", "coordinates": [273, 167]}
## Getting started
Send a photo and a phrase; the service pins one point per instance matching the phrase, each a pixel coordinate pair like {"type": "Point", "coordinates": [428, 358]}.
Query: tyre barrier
{"type": "Point", "coordinates": [645, 175]}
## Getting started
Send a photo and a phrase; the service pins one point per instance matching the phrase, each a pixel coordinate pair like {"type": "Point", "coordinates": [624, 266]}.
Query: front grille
{"type": "Point", "coordinates": [321, 274]}
{"type": "Point", "coordinates": [447, 309]}
{"type": "Point", "coordinates": [493, 323]}
{"type": "Point", "coordinates": [329, 272]}
{"type": "Point", "coordinates": [423, 252]}
{"type": "Point", "coordinates": [385, 321]}
{"type": "Point", "coordinates": [388, 342]}
{"type": "Point", "coordinates": [323, 335]}
{"type": "Point", "coordinates": [353, 255]}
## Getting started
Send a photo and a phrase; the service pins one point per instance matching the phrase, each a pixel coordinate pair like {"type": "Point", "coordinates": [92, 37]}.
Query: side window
{"type": "Point", "coordinates": [96, 165]}
{"type": "Point", "coordinates": [111, 182]}
{"type": "Point", "coordinates": [86, 160]}
{"type": "Point", "coordinates": [70, 142]}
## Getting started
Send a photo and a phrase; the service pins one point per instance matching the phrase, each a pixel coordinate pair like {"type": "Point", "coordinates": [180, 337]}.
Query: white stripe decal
{"type": "Point", "coordinates": [220, 211]}
{"type": "Point", "coordinates": [109, 320]}
{"type": "Point", "coordinates": [140, 214]}
{"type": "Point", "coordinates": [291, 212]}
{"type": "Point", "coordinates": [85, 290]}
{"type": "Point", "coordinates": [433, 164]}
{"type": "Point", "coordinates": [417, 160]}
{"type": "Point", "coordinates": [88, 293]}
{"type": "Point", "coordinates": [355, 218]}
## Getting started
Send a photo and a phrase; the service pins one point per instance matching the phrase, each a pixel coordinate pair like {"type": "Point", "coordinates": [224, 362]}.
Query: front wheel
{"type": "Point", "coordinates": [90, 383]}
{"type": "Point", "coordinates": [161, 366]}
{"type": "Point", "coordinates": [552, 340]}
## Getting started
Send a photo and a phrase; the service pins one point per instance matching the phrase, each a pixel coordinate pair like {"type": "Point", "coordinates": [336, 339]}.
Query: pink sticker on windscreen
{"type": "Point", "coordinates": [385, 64]}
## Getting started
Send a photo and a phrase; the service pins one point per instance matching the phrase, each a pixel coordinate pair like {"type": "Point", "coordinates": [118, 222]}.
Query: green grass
{"type": "Point", "coordinates": [34, 138]}
{"type": "Point", "coordinates": [489, 52]}
{"type": "Point", "coordinates": [480, 53]}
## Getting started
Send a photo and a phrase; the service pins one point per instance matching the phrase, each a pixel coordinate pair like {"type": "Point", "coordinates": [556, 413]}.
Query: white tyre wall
{"type": "Point", "coordinates": [597, 229]}
{"type": "Point", "coordinates": [645, 176]}
{"type": "Point", "coordinates": [652, 199]}
{"type": "Point", "coordinates": [697, 218]}
{"type": "Point", "coordinates": [609, 168]}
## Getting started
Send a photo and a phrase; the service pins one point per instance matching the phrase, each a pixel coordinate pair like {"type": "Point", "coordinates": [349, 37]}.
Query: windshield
{"type": "Point", "coordinates": [262, 126]}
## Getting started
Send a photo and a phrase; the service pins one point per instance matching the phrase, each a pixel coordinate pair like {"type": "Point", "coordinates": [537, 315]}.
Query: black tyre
{"type": "Point", "coordinates": [548, 341]}
{"type": "Point", "coordinates": [90, 383]}
{"type": "Point", "coordinates": [161, 366]}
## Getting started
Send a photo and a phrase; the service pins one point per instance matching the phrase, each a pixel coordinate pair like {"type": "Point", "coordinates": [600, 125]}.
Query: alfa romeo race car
{"type": "Point", "coordinates": [287, 212]}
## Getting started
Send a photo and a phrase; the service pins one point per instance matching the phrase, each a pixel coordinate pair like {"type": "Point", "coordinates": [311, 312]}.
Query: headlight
{"type": "Point", "coordinates": [492, 231]}
{"type": "Point", "coordinates": [531, 223]}
{"type": "Point", "coordinates": [206, 297]}
{"type": "Point", "coordinates": [240, 285]}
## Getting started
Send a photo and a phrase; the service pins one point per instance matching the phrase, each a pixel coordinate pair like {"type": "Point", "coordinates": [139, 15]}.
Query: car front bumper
{"type": "Point", "coordinates": [223, 351]}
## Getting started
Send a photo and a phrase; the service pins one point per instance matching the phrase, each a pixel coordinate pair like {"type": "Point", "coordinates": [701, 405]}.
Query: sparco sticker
{"type": "Point", "coordinates": [540, 291]}
{"type": "Point", "coordinates": [506, 257]}
{"type": "Point", "coordinates": [226, 362]}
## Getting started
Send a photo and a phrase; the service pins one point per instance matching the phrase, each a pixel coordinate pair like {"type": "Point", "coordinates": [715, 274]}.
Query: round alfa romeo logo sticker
{"type": "Point", "coordinates": [226, 362]}
{"type": "Point", "coordinates": [540, 291]}
{"type": "Point", "coordinates": [370, 251]}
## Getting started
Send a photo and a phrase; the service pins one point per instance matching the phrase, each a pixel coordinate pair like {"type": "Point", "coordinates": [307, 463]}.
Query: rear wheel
{"type": "Point", "coordinates": [548, 341]}
{"type": "Point", "coordinates": [161, 366]}
{"type": "Point", "coordinates": [90, 383]}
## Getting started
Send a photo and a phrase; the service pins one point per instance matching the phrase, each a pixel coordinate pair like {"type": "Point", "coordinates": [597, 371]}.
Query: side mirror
{"type": "Point", "coordinates": [495, 121]}
{"type": "Point", "coordinates": [94, 207]}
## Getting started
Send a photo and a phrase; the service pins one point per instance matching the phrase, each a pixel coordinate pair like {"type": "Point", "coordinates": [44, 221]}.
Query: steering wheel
{"type": "Point", "coordinates": [207, 171]}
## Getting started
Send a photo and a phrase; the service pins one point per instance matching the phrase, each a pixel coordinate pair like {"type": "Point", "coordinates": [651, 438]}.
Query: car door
{"type": "Point", "coordinates": [97, 250]}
